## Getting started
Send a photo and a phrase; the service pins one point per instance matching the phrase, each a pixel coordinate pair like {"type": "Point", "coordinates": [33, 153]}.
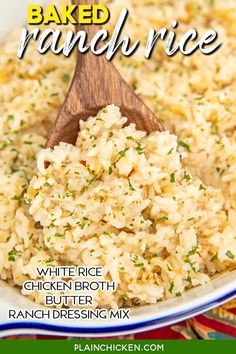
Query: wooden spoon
{"type": "Point", "coordinates": [96, 84]}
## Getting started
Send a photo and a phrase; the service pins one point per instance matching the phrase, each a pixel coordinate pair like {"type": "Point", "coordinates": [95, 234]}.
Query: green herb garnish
{"type": "Point", "coordinates": [16, 198]}
{"type": "Point", "coordinates": [13, 254]}
{"type": "Point", "coordinates": [189, 279]}
{"type": "Point", "coordinates": [50, 260]}
{"type": "Point", "coordinates": [139, 265]}
{"type": "Point", "coordinates": [193, 251]}
{"type": "Point", "coordinates": [91, 181]}
{"type": "Point", "coordinates": [171, 287]}
{"type": "Point", "coordinates": [186, 176]}
{"type": "Point", "coordinates": [58, 234]}
{"type": "Point", "coordinates": [178, 294]}
{"type": "Point", "coordinates": [10, 117]}
{"type": "Point", "coordinates": [125, 296]}
{"type": "Point", "coordinates": [172, 177]}
{"type": "Point", "coordinates": [214, 258]}
{"type": "Point", "coordinates": [162, 219]}
{"type": "Point", "coordinates": [131, 188]}
{"type": "Point", "coordinates": [122, 153]}
{"type": "Point", "coordinates": [229, 254]}
{"type": "Point", "coordinates": [184, 145]}
{"type": "Point", "coordinates": [65, 78]}
{"type": "Point", "coordinates": [215, 128]}
{"type": "Point", "coordinates": [201, 187]}
{"type": "Point", "coordinates": [139, 149]}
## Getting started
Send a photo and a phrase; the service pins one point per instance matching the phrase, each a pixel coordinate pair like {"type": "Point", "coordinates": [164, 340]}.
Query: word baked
{"type": "Point", "coordinates": [86, 14]}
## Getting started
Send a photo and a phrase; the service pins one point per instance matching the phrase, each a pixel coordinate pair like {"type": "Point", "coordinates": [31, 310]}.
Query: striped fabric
{"type": "Point", "coordinates": [219, 323]}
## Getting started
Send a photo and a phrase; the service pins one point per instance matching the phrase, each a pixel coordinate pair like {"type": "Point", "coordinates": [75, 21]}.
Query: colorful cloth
{"type": "Point", "coordinates": [219, 323]}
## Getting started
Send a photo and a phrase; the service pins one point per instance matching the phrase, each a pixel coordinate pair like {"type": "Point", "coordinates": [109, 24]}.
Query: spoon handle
{"type": "Point", "coordinates": [96, 84]}
{"type": "Point", "coordinates": [93, 74]}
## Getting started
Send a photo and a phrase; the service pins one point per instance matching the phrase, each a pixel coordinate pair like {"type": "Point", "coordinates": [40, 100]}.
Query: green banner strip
{"type": "Point", "coordinates": [117, 346]}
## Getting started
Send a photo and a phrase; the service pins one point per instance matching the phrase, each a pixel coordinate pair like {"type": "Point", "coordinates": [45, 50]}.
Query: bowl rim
{"type": "Point", "coordinates": [136, 327]}
{"type": "Point", "coordinates": [195, 298]}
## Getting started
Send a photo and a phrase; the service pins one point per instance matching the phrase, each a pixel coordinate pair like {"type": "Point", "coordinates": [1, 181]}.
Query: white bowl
{"type": "Point", "coordinates": [143, 318]}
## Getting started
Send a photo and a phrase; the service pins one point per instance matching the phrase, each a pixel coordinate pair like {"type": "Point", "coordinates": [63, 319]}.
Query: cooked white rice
{"type": "Point", "coordinates": [158, 214]}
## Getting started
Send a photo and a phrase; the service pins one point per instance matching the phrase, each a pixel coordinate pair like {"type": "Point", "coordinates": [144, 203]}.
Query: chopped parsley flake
{"type": "Point", "coordinates": [172, 177]}
{"type": "Point", "coordinates": [131, 188]}
{"type": "Point", "coordinates": [139, 149]}
{"type": "Point", "coordinates": [65, 78]}
{"type": "Point", "coordinates": [215, 128]}
{"type": "Point", "coordinates": [184, 145]}
{"type": "Point", "coordinates": [162, 219]}
{"type": "Point", "coordinates": [171, 287]}
{"type": "Point", "coordinates": [178, 294]}
{"type": "Point", "coordinates": [220, 171]}
{"type": "Point", "coordinates": [125, 296]}
{"type": "Point", "coordinates": [28, 142]}
{"type": "Point", "coordinates": [50, 260]}
{"type": "Point", "coordinates": [10, 117]}
{"type": "Point", "coordinates": [189, 279]}
{"type": "Point", "coordinates": [14, 168]}
{"type": "Point", "coordinates": [13, 254]}
{"type": "Point", "coordinates": [139, 265]}
{"type": "Point", "coordinates": [192, 264]}
{"type": "Point", "coordinates": [16, 198]}
{"type": "Point", "coordinates": [193, 251]}
{"type": "Point", "coordinates": [229, 254]}
{"type": "Point", "coordinates": [214, 258]}
{"type": "Point", "coordinates": [122, 153]}
{"type": "Point", "coordinates": [58, 234]}
{"type": "Point", "coordinates": [201, 187]}
{"type": "Point", "coordinates": [186, 176]}
{"type": "Point", "coordinates": [27, 200]}
{"type": "Point", "coordinates": [91, 181]}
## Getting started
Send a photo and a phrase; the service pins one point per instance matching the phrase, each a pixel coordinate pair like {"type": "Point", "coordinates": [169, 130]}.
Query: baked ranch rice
{"type": "Point", "coordinates": [157, 211]}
